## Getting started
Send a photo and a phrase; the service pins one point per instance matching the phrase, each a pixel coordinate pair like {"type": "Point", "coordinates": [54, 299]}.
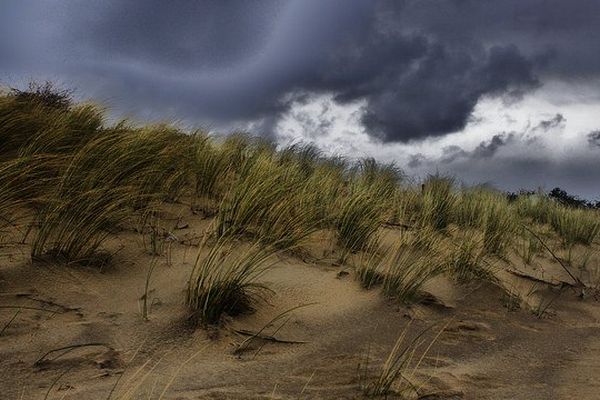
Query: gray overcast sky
{"type": "Point", "coordinates": [493, 91]}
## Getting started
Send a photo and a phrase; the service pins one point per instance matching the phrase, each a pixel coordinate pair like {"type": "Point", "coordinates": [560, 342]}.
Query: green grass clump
{"type": "Point", "coordinates": [437, 202]}
{"type": "Point", "coordinates": [409, 266]}
{"type": "Point", "coordinates": [527, 246]}
{"type": "Point", "coordinates": [397, 373]}
{"type": "Point", "coordinates": [576, 226]}
{"type": "Point", "coordinates": [382, 179]}
{"type": "Point", "coordinates": [211, 167]}
{"type": "Point", "coordinates": [224, 280]}
{"type": "Point", "coordinates": [306, 157]}
{"type": "Point", "coordinates": [102, 183]}
{"type": "Point", "coordinates": [499, 226]}
{"type": "Point", "coordinates": [538, 207]}
{"type": "Point", "coordinates": [466, 258]}
{"type": "Point", "coordinates": [265, 202]}
{"type": "Point", "coordinates": [471, 206]}
{"type": "Point", "coordinates": [72, 228]}
{"type": "Point", "coordinates": [321, 192]}
{"type": "Point", "coordinates": [360, 215]}
{"type": "Point", "coordinates": [21, 181]}
{"type": "Point", "coordinates": [371, 267]}
{"type": "Point", "coordinates": [406, 207]}
{"type": "Point", "coordinates": [403, 268]}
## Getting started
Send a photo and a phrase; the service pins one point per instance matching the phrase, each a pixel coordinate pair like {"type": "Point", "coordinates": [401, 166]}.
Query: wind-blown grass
{"type": "Point", "coordinates": [360, 215]}
{"type": "Point", "coordinates": [438, 202]}
{"type": "Point", "coordinates": [102, 183]}
{"type": "Point", "coordinates": [224, 280]}
{"type": "Point", "coordinates": [372, 266]}
{"type": "Point", "coordinates": [466, 258]}
{"type": "Point", "coordinates": [409, 268]}
{"type": "Point", "coordinates": [397, 373]}
{"type": "Point", "coordinates": [471, 206]}
{"type": "Point", "coordinates": [539, 207]}
{"type": "Point", "coordinates": [576, 226]}
{"type": "Point", "coordinates": [21, 181]}
{"type": "Point", "coordinates": [211, 166]}
{"type": "Point", "coordinates": [263, 202]}
{"type": "Point", "coordinates": [499, 226]}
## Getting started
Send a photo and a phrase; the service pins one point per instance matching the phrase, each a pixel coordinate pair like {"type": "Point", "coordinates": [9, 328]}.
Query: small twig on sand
{"type": "Point", "coordinates": [577, 281]}
{"type": "Point", "coordinates": [68, 349]}
{"type": "Point", "coordinates": [267, 337]}
{"type": "Point", "coordinates": [254, 335]}
{"type": "Point", "coordinates": [31, 308]}
{"type": "Point", "coordinates": [9, 322]}
{"type": "Point", "coordinates": [55, 382]}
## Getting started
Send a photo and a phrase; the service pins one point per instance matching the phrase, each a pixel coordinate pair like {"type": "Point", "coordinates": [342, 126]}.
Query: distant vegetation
{"type": "Point", "coordinates": [71, 179]}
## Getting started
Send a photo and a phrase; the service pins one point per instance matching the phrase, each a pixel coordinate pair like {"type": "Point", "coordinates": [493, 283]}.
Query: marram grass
{"type": "Point", "coordinates": [224, 280]}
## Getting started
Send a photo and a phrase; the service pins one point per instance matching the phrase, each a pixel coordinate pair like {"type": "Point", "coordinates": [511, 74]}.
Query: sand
{"type": "Point", "coordinates": [491, 348]}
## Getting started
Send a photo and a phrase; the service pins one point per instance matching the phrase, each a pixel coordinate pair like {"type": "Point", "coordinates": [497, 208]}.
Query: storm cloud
{"type": "Point", "coordinates": [420, 66]}
{"type": "Point", "coordinates": [403, 72]}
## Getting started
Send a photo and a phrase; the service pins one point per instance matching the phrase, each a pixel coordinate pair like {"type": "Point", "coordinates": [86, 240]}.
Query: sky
{"type": "Point", "coordinates": [499, 92]}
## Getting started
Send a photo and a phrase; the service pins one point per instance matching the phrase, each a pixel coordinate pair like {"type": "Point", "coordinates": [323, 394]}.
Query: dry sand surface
{"type": "Point", "coordinates": [490, 349]}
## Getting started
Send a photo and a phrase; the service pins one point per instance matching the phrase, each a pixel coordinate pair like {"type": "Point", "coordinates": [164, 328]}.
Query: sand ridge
{"type": "Point", "coordinates": [488, 350]}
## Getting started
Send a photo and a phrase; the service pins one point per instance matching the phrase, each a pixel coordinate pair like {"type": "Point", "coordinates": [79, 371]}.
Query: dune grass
{"type": "Point", "coordinates": [438, 201]}
{"type": "Point", "coordinates": [267, 202]}
{"type": "Point", "coordinates": [403, 268]}
{"type": "Point", "coordinates": [78, 179]}
{"type": "Point", "coordinates": [576, 226]}
{"type": "Point", "coordinates": [211, 167]}
{"type": "Point", "coordinates": [537, 207]}
{"type": "Point", "coordinates": [102, 183]}
{"type": "Point", "coordinates": [410, 267]}
{"type": "Point", "coordinates": [467, 259]}
{"type": "Point", "coordinates": [224, 278]}
{"type": "Point", "coordinates": [499, 227]}
{"type": "Point", "coordinates": [360, 215]}
{"type": "Point", "coordinates": [397, 374]}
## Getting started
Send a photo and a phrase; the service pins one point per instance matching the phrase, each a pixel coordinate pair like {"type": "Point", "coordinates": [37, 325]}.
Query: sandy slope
{"type": "Point", "coordinates": [488, 351]}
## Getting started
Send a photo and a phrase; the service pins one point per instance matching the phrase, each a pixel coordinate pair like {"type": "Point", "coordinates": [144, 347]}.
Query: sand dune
{"type": "Point", "coordinates": [488, 350]}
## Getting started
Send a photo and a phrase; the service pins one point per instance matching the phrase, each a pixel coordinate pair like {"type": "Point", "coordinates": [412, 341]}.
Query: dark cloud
{"type": "Point", "coordinates": [485, 149]}
{"type": "Point", "coordinates": [519, 160]}
{"type": "Point", "coordinates": [419, 66]}
{"type": "Point", "coordinates": [489, 149]}
{"type": "Point", "coordinates": [557, 121]}
{"type": "Point", "coordinates": [594, 139]}
{"type": "Point", "coordinates": [416, 160]}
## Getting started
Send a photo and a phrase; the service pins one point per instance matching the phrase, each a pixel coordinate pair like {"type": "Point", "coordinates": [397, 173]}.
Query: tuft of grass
{"type": "Point", "coordinates": [397, 373]}
{"type": "Point", "coordinates": [409, 266]}
{"type": "Point", "coordinates": [321, 192]}
{"type": "Point", "coordinates": [21, 180]}
{"type": "Point", "coordinates": [539, 207]}
{"type": "Point", "coordinates": [466, 261]}
{"type": "Point", "coordinates": [499, 226]}
{"type": "Point", "coordinates": [371, 267]}
{"type": "Point", "coordinates": [73, 228]}
{"type": "Point", "coordinates": [101, 183]}
{"type": "Point", "coordinates": [382, 179]}
{"type": "Point", "coordinates": [471, 206]}
{"type": "Point", "coordinates": [437, 202]}
{"type": "Point", "coordinates": [211, 167]}
{"type": "Point", "coordinates": [267, 202]}
{"type": "Point", "coordinates": [576, 226]}
{"type": "Point", "coordinates": [527, 247]}
{"type": "Point", "coordinates": [360, 215]}
{"type": "Point", "coordinates": [224, 280]}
